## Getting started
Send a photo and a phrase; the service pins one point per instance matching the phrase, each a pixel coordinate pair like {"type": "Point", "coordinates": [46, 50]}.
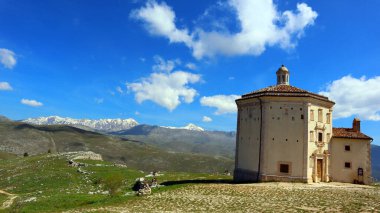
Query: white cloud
{"type": "Point", "coordinates": [206, 119]}
{"type": "Point", "coordinates": [166, 89]}
{"type": "Point", "coordinates": [164, 65]}
{"type": "Point", "coordinates": [99, 100]}
{"type": "Point", "coordinates": [160, 20]}
{"type": "Point", "coordinates": [119, 90]}
{"type": "Point", "coordinates": [5, 86]}
{"type": "Point", "coordinates": [191, 66]}
{"type": "Point", "coordinates": [223, 103]}
{"type": "Point", "coordinates": [231, 78]}
{"type": "Point", "coordinates": [32, 103]}
{"type": "Point", "coordinates": [7, 58]}
{"type": "Point", "coordinates": [355, 96]}
{"type": "Point", "coordinates": [261, 25]}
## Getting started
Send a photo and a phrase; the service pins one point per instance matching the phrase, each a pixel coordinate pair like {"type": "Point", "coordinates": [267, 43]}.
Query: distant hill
{"type": "Point", "coordinates": [3, 118]}
{"type": "Point", "coordinates": [183, 140]}
{"type": "Point", "coordinates": [375, 157]}
{"type": "Point", "coordinates": [189, 126]}
{"type": "Point", "coordinates": [18, 137]}
{"type": "Point", "coordinates": [103, 125]}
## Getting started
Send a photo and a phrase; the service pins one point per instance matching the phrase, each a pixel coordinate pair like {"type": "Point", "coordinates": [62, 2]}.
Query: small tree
{"type": "Point", "coordinates": [26, 154]}
{"type": "Point", "coordinates": [113, 183]}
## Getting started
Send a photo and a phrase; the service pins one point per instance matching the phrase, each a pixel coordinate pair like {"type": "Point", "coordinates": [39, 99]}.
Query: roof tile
{"type": "Point", "coordinates": [349, 133]}
{"type": "Point", "coordinates": [283, 90]}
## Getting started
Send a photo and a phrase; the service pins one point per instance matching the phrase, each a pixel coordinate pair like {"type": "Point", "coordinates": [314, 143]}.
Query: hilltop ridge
{"type": "Point", "coordinates": [105, 125]}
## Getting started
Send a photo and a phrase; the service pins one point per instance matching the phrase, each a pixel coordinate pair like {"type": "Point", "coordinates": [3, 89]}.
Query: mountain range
{"type": "Point", "coordinates": [188, 139]}
{"type": "Point", "coordinates": [102, 125]}
{"type": "Point", "coordinates": [183, 140]}
{"type": "Point", "coordinates": [17, 138]}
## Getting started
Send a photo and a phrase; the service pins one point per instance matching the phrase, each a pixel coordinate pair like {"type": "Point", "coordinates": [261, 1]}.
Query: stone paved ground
{"type": "Point", "coordinates": [262, 197]}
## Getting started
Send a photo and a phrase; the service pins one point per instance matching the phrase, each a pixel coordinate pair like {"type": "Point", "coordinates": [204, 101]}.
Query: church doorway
{"type": "Point", "coordinates": [319, 169]}
{"type": "Point", "coordinates": [320, 166]}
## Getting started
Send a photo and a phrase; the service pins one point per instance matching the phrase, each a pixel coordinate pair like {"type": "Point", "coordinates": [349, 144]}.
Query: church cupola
{"type": "Point", "coordinates": [282, 75]}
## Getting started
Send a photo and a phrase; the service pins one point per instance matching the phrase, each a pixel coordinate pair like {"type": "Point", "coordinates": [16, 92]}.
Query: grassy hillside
{"type": "Point", "coordinates": [45, 183]}
{"type": "Point", "coordinates": [18, 138]}
{"type": "Point", "coordinates": [180, 140]}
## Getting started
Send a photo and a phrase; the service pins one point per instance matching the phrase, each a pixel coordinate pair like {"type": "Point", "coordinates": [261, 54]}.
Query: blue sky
{"type": "Point", "coordinates": [175, 62]}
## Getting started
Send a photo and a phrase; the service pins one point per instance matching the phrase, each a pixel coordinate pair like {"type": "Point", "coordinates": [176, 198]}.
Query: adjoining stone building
{"type": "Point", "coordinates": [286, 134]}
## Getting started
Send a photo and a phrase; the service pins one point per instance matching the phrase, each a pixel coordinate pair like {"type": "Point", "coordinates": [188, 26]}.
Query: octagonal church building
{"type": "Point", "coordinates": [285, 133]}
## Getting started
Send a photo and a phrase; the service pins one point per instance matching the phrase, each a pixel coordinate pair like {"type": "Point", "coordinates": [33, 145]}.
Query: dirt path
{"type": "Point", "coordinates": [8, 203]}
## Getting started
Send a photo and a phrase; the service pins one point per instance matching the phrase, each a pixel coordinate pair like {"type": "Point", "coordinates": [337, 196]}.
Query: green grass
{"type": "Point", "coordinates": [6, 156]}
{"type": "Point", "coordinates": [3, 198]}
{"type": "Point", "coordinates": [52, 185]}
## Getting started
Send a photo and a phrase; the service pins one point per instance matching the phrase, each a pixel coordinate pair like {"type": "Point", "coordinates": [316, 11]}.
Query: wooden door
{"type": "Point", "coordinates": [319, 169]}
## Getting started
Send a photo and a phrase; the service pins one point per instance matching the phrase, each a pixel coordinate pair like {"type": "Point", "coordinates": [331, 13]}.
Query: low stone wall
{"type": "Point", "coordinates": [81, 155]}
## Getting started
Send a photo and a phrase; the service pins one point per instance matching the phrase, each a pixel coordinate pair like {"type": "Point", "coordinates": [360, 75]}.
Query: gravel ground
{"type": "Point", "coordinates": [261, 197]}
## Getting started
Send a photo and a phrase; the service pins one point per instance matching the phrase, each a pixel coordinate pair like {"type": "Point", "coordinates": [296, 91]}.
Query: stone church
{"type": "Point", "coordinates": [286, 134]}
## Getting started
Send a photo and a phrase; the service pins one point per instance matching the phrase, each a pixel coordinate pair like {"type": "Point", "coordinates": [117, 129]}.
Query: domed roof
{"type": "Point", "coordinates": [282, 69]}
{"type": "Point", "coordinates": [284, 90]}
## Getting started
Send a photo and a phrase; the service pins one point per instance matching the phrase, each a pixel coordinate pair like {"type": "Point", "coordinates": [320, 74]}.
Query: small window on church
{"type": "Point", "coordinates": [347, 165]}
{"type": "Point", "coordinates": [320, 136]}
{"type": "Point", "coordinates": [311, 136]}
{"type": "Point", "coordinates": [312, 115]}
{"type": "Point", "coordinates": [320, 115]}
{"type": "Point", "coordinates": [301, 116]}
{"type": "Point", "coordinates": [284, 168]}
{"type": "Point", "coordinates": [347, 148]}
{"type": "Point", "coordinates": [328, 119]}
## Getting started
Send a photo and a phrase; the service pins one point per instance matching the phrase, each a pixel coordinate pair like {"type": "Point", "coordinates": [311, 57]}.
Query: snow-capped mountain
{"type": "Point", "coordinates": [190, 126]}
{"type": "Point", "coordinates": [107, 125]}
